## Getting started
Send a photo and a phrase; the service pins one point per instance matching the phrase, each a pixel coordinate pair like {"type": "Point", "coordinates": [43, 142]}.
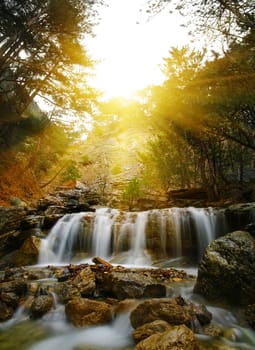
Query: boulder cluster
{"type": "Point", "coordinates": [97, 294]}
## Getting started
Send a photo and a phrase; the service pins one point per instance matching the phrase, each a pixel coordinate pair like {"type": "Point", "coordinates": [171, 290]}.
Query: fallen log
{"type": "Point", "coordinates": [100, 261]}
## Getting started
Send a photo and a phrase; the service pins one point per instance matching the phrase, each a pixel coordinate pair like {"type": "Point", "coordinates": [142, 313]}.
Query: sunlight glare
{"type": "Point", "coordinates": [131, 48]}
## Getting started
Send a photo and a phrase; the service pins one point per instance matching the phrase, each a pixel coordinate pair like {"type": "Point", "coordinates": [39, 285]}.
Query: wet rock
{"type": "Point", "coordinates": [41, 305]}
{"type": "Point", "coordinates": [148, 329]}
{"type": "Point", "coordinates": [125, 306]}
{"type": "Point", "coordinates": [198, 312]}
{"type": "Point", "coordinates": [6, 312]}
{"type": "Point", "coordinates": [28, 252]}
{"type": "Point", "coordinates": [227, 269]}
{"type": "Point", "coordinates": [66, 292]}
{"type": "Point", "coordinates": [159, 309]}
{"type": "Point", "coordinates": [212, 330]}
{"type": "Point", "coordinates": [85, 312]}
{"type": "Point", "coordinates": [10, 298]}
{"type": "Point", "coordinates": [18, 287]}
{"type": "Point", "coordinates": [85, 282]}
{"type": "Point", "coordinates": [176, 338]}
{"type": "Point", "coordinates": [125, 285]}
{"type": "Point", "coordinates": [250, 315]}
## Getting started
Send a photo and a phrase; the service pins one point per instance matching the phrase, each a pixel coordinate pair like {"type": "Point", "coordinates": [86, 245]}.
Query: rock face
{"type": "Point", "coordinates": [28, 252]}
{"type": "Point", "coordinates": [19, 222]}
{"type": "Point", "coordinates": [227, 269]}
{"type": "Point", "coordinates": [10, 222]}
{"type": "Point", "coordinates": [85, 312]}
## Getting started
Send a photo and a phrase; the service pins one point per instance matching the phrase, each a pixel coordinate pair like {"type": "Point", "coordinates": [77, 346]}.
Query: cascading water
{"type": "Point", "coordinates": [102, 232]}
{"type": "Point", "coordinates": [127, 237]}
{"type": "Point", "coordinates": [66, 233]}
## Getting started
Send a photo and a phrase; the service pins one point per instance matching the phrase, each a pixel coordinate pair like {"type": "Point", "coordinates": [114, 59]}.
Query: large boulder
{"type": "Point", "coordinates": [227, 269]}
{"type": "Point", "coordinates": [175, 338]}
{"type": "Point", "coordinates": [85, 312]}
{"type": "Point", "coordinates": [166, 309]}
{"type": "Point", "coordinates": [125, 284]}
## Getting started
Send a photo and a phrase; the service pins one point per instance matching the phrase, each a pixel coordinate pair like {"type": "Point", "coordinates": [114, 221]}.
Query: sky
{"type": "Point", "coordinates": [131, 46]}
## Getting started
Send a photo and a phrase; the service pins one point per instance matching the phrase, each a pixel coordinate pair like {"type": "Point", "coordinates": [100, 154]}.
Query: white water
{"type": "Point", "coordinates": [205, 224]}
{"type": "Point", "coordinates": [114, 336]}
{"type": "Point", "coordinates": [57, 248]}
{"type": "Point", "coordinates": [122, 236]}
{"type": "Point", "coordinates": [137, 254]}
{"type": "Point", "coordinates": [102, 232]}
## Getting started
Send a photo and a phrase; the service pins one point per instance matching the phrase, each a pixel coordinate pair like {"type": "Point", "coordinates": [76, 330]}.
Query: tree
{"type": "Point", "coordinates": [132, 192]}
{"type": "Point", "coordinates": [218, 17]}
{"type": "Point", "coordinates": [41, 48]}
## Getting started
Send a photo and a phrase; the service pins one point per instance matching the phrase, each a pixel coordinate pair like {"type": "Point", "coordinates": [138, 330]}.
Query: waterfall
{"type": "Point", "coordinates": [205, 224]}
{"type": "Point", "coordinates": [137, 254]}
{"type": "Point", "coordinates": [132, 238]}
{"type": "Point", "coordinates": [66, 233]}
{"type": "Point", "coordinates": [102, 232]}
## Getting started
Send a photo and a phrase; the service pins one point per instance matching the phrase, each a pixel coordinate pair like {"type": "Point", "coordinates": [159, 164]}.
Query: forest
{"type": "Point", "coordinates": [195, 131]}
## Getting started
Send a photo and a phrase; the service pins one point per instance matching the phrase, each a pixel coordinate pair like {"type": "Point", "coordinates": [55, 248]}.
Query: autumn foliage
{"type": "Point", "coordinates": [17, 180]}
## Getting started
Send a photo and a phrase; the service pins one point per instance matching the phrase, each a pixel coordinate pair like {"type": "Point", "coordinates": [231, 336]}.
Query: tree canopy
{"type": "Point", "coordinates": [42, 53]}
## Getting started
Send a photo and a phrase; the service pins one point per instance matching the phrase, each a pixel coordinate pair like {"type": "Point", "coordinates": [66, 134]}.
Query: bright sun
{"type": "Point", "coordinates": [131, 48]}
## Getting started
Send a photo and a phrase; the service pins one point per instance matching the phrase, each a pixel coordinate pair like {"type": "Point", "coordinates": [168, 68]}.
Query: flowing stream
{"type": "Point", "coordinates": [168, 237]}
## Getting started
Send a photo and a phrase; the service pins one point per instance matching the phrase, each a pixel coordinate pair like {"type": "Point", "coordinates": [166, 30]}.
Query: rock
{"type": "Point", "coordinates": [10, 221]}
{"type": "Point", "coordinates": [125, 285]}
{"type": "Point", "coordinates": [69, 200]}
{"type": "Point", "coordinates": [11, 294]}
{"type": "Point", "coordinates": [66, 292]}
{"type": "Point", "coordinates": [212, 330]}
{"type": "Point", "coordinates": [28, 252]}
{"type": "Point", "coordinates": [10, 298]}
{"type": "Point", "coordinates": [199, 312]}
{"type": "Point", "coordinates": [85, 282]}
{"type": "Point", "coordinates": [48, 201]}
{"type": "Point", "coordinates": [166, 309]}
{"type": "Point", "coordinates": [227, 269]}
{"type": "Point", "coordinates": [125, 306]}
{"type": "Point", "coordinates": [17, 202]}
{"type": "Point", "coordinates": [85, 312]}
{"type": "Point", "coordinates": [175, 338]}
{"type": "Point", "coordinates": [32, 221]}
{"type": "Point", "coordinates": [239, 215]}
{"type": "Point", "coordinates": [148, 329]}
{"type": "Point", "coordinates": [41, 305]}
{"type": "Point", "coordinates": [6, 312]}
{"type": "Point", "coordinates": [250, 315]}
{"type": "Point", "coordinates": [18, 287]}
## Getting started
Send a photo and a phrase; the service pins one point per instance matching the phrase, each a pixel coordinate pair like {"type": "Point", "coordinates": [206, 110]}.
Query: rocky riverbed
{"type": "Point", "coordinates": [99, 295]}
{"type": "Point", "coordinates": [101, 305]}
